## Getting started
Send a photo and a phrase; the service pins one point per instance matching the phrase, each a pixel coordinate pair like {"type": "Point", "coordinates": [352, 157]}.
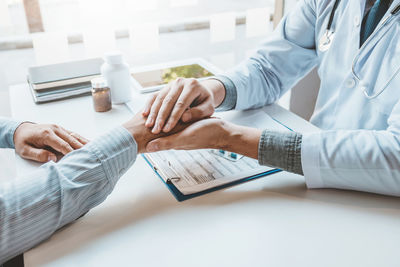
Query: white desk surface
{"type": "Point", "coordinates": [272, 221]}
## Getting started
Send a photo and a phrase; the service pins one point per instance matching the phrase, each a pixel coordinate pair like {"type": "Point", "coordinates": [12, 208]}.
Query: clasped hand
{"type": "Point", "coordinates": [181, 114]}
{"type": "Point", "coordinates": [178, 117]}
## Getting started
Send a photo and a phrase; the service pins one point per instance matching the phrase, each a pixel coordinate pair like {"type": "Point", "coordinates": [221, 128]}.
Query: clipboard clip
{"type": "Point", "coordinates": [168, 180]}
{"type": "Point", "coordinates": [173, 179]}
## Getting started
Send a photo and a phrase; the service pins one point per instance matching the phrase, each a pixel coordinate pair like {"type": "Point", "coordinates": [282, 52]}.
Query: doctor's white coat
{"type": "Point", "coordinates": [358, 104]}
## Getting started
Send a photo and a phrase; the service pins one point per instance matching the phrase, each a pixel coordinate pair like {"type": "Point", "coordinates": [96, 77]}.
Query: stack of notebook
{"type": "Point", "coordinates": [65, 80]}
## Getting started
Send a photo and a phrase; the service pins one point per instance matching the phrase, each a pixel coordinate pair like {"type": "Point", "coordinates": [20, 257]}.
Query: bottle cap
{"type": "Point", "coordinates": [99, 82]}
{"type": "Point", "coordinates": [114, 57]}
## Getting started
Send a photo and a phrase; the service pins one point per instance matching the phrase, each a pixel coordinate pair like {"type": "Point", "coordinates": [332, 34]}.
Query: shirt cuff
{"type": "Point", "coordinates": [281, 150]}
{"type": "Point", "coordinates": [116, 150]}
{"type": "Point", "coordinates": [310, 159]}
{"type": "Point", "coordinates": [9, 129]}
{"type": "Point", "coordinates": [230, 99]}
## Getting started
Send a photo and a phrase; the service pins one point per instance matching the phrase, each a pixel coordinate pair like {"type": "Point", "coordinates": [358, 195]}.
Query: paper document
{"type": "Point", "coordinates": [198, 170]}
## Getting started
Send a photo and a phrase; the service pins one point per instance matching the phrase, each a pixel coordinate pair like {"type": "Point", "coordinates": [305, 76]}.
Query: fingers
{"type": "Point", "coordinates": [67, 137]}
{"type": "Point", "coordinates": [78, 137]}
{"type": "Point", "coordinates": [36, 154]}
{"type": "Point", "coordinates": [148, 105]}
{"type": "Point", "coordinates": [57, 143]}
{"type": "Point", "coordinates": [201, 111]}
{"type": "Point", "coordinates": [164, 143]}
{"type": "Point", "coordinates": [42, 142]}
{"type": "Point", "coordinates": [167, 106]}
{"type": "Point", "coordinates": [151, 119]}
{"type": "Point", "coordinates": [184, 101]}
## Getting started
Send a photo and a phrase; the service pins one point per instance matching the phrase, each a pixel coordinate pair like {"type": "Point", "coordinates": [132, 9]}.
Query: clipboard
{"type": "Point", "coordinates": [181, 197]}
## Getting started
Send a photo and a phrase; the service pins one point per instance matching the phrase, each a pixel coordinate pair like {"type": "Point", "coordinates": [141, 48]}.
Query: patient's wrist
{"type": "Point", "coordinates": [140, 133]}
{"type": "Point", "coordinates": [143, 135]}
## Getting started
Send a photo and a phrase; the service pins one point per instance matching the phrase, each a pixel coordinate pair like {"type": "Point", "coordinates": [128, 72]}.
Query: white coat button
{"type": "Point", "coordinates": [350, 83]}
{"type": "Point", "coordinates": [357, 21]}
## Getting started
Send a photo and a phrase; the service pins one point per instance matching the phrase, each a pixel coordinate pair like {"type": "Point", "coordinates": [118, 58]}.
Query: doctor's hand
{"type": "Point", "coordinates": [41, 142]}
{"type": "Point", "coordinates": [211, 133]}
{"type": "Point", "coordinates": [187, 100]}
{"type": "Point", "coordinates": [142, 134]}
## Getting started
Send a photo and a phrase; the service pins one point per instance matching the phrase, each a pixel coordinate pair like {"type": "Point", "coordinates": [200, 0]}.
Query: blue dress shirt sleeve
{"type": "Point", "coordinates": [229, 101]}
{"type": "Point", "coordinates": [7, 130]}
{"type": "Point", "coordinates": [282, 60]}
{"type": "Point", "coordinates": [34, 206]}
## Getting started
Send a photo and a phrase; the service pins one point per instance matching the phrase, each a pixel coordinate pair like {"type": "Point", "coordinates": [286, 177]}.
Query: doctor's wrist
{"type": "Point", "coordinates": [228, 102]}
{"type": "Point", "coordinates": [217, 90]}
{"type": "Point", "coordinates": [242, 140]}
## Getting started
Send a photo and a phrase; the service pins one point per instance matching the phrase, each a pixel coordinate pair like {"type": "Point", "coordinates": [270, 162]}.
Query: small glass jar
{"type": "Point", "coordinates": [101, 95]}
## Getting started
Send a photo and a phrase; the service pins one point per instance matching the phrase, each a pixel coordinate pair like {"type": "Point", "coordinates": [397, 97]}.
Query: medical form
{"type": "Point", "coordinates": [193, 171]}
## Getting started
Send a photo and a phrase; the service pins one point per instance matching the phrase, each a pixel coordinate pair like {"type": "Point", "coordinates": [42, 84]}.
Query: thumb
{"type": "Point", "coordinates": [201, 111]}
{"type": "Point", "coordinates": [163, 143]}
{"type": "Point", "coordinates": [39, 155]}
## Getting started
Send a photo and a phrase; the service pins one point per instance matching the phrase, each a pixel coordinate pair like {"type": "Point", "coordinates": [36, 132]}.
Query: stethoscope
{"type": "Point", "coordinates": [327, 38]}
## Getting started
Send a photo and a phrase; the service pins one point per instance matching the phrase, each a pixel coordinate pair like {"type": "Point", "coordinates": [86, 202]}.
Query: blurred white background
{"type": "Point", "coordinates": [146, 32]}
{"type": "Point", "coordinates": [72, 15]}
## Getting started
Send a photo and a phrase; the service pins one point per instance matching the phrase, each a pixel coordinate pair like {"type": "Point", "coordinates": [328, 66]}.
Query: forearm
{"type": "Point", "coordinates": [363, 160]}
{"type": "Point", "coordinates": [279, 63]}
{"type": "Point", "coordinates": [242, 140]}
{"type": "Point", "coordinates": [281, 150]}
{"type": "Point", "coordinates": [34, 206]}
{"type": "Point", "coordinates": [276, 149]}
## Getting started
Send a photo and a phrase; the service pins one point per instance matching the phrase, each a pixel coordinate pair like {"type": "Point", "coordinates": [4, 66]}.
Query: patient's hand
{"type": "Point", "coordinates": [41, 142]}
{"type": "Point", "coordinates": [143, 135]}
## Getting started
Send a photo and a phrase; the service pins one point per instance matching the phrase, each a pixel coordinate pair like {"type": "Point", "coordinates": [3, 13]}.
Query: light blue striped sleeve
{"type": "Point", "coordinates": [7, 130]}
{"type": "Point", "coordinates": [35, 205]}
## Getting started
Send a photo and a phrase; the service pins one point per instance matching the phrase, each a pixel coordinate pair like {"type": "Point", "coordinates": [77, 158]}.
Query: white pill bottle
{"type": "Point", "coordinates": [118, 76]}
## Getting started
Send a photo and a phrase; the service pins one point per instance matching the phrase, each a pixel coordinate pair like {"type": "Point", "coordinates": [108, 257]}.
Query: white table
{"type": "Point", "coordinates": [272, 221]}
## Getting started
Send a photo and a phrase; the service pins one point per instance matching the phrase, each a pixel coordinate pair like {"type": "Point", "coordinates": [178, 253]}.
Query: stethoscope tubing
{"type": "Point", "coordinates": [329, 33]}
{"type": "Point", "coordinates": [332, 15]}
